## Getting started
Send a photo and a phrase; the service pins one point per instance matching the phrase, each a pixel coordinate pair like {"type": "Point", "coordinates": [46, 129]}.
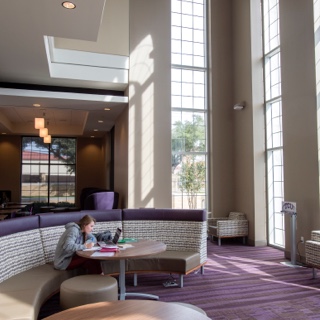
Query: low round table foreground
{"type": "Point", "coordinates": [130, 310]}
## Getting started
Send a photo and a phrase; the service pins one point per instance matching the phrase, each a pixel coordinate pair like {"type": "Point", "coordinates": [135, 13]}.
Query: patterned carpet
{"type": "Point", "coordinates": [240, 282]}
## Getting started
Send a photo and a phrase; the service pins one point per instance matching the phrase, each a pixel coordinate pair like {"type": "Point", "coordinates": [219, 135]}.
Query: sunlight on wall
{"type": "Point", "coordinates": [141, 125]}
{"type": "Point", "coordinates": [131, 156]}
{"type": "Point", "coordinates": [147, 152]}
{"type": "Point", "coordinates": [140, 62]}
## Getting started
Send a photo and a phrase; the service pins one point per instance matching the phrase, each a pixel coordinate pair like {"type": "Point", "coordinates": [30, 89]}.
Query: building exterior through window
{"type": "Point", "coordinates": [48, 171]}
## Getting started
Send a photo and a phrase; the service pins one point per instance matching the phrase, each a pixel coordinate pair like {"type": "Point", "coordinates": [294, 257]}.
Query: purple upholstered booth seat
{"type": "Point", "coordinates": [11, 226]}
{"type": "Point", "coordinates": [165, 214]}
{"type": "Point", "coordinates": [52, 220]}
{"type": "Point", "coordinates": [102, 201]}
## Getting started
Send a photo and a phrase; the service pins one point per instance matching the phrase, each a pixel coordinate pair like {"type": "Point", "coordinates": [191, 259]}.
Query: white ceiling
{"type": "Point", "coordinates": [74, 63]}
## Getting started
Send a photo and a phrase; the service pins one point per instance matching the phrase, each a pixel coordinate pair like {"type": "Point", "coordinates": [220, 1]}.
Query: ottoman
{"type": "Point", "coordinates": [86, 289]}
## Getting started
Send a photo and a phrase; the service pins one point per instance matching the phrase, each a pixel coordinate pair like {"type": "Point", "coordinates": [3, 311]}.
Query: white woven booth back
{"type": "Point", "coordinates": [177, 235]}
{"type": "Point", "coordinates": [20, 252]}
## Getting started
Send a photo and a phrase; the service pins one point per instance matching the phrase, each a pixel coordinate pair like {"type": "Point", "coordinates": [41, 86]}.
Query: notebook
{"type": "Point", "coordinates": [113, 242]}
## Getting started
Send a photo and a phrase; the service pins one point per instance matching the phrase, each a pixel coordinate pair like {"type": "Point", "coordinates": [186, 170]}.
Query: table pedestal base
{"type": "Point", "coordinates": [122, 286]}
{"type": "Point", "coordinates": [141, 295]}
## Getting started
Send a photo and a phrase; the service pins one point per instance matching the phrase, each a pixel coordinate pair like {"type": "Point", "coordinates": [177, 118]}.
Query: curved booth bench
{"type": "Point", "coordinates": [27, 244]}
{"type": "Point", "coordinates": [183, 231]}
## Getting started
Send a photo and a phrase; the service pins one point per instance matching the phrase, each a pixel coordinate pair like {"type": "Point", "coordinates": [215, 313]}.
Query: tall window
{"type": "Point", "coordinates": [48, 171]}
{"type": "Point", "coordinates": [189, 103]}
{"type": "Point", "coordinates": [274, 143]}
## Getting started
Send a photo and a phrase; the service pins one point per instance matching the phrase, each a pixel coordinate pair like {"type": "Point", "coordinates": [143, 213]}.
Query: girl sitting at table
{"type": "Point", "coordinates": [77, 236]}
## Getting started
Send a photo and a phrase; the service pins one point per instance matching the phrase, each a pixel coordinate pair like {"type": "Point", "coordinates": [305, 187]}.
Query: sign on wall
{"type": "Point", "coordinates": [288, 206]}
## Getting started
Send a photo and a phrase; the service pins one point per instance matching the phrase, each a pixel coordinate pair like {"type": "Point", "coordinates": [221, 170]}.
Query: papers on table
{"type": "Point", "coordinates": [94, 248]}
{"type": "Point", "coordinates": [100, 251]}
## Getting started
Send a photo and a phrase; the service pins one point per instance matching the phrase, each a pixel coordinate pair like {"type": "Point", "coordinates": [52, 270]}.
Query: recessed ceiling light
{"type": "Point", "coordinates": [100, 121]}
{"type": "Point", "coordinates": [107, 109]}
{"type": "Point", "coordinates": [37, 105]}
{"type": "Point", "coordinates": [95, 130]}
{"type": "Point", "coordinates": [91, 136]}
{"type": "Point", "coordinates": [68, 5]}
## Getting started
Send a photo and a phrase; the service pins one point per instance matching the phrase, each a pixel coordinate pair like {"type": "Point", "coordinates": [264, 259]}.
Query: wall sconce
{"type": "Point", "coordinates": [43, 132]}
{"type": "Point", "coordinates": [39, 123]}
{"type": "Point", "coordinates": [47, 139]}
{"type": "Point", "coordinates": [239, 106]}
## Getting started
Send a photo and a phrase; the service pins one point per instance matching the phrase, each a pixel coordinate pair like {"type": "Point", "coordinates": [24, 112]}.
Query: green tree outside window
{"type": "Point", "coordinates": [188, 146]}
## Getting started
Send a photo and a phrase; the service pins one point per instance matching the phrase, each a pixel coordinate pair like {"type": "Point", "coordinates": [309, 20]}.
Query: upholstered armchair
{"type": "Point", "coordinates": [85, 192]}
{"type": "Point", "coordinates": [102, 201]}
{"type": "Point", "coordinates": [313, 252]}
{"type": "Point", "coordinates": [232, 226]}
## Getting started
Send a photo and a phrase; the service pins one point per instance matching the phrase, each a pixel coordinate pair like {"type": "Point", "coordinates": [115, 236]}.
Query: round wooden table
{"type": "Point", "coordinates": [130, 310]}
{"type": "Point", "coordinates": [139, 249]}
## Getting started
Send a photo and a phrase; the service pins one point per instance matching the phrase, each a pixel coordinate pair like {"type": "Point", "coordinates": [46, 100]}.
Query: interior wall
{"type": "Point", "coordinates": [91, 165]}
{"type": "Point", "coordinates": [249, 139]}
{"type": "Point", "coordinates": [299, 113]}
{"type": "Point", "coordinates": [121, 158]}
{"type": "Point", "coordinates": [149, 146]}
{"type": "Point", "coordinates": [106, 153]}
{"type": "Point", "coordinates": [237, 178]}
{"type": "Point", "coordinates": [10, 159]}
{"type": "Point", "coordinates": [221, 140]}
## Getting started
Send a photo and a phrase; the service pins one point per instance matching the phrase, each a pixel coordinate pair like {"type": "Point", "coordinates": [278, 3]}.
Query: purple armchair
{"type": "Point", "coordinates": [102, 201]}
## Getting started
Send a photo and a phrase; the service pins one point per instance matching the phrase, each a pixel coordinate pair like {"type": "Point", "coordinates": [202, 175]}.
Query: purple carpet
{"type": "Point", "coordinates": [239, 282]}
